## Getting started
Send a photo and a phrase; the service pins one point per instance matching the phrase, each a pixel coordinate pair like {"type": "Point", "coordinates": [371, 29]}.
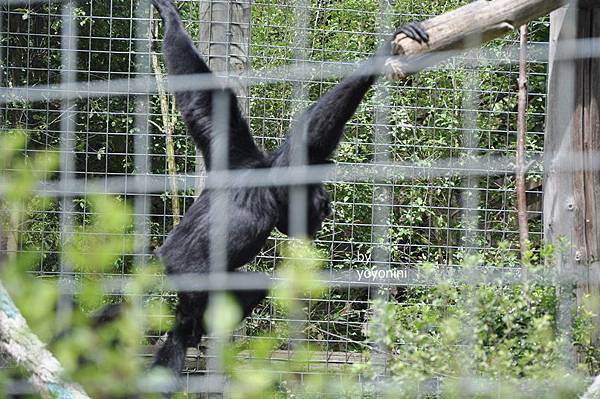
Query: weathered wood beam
{"type": "Point", "coordinates": [466, 27]}
{"type": "Point", "coordinates": [593, 392]}
{"type": "Point", "coordinates": [572, 198]}
{"type": "Point", "coordinates": [225, 39]}
{"type": "Point", "coordinates": [24, 348]}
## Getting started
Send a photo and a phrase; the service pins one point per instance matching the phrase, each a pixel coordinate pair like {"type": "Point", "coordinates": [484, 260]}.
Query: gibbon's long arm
{"type": "Point", "coordinates": [183, 58]}
{"type": "Point", "coordinates": [325, 120]}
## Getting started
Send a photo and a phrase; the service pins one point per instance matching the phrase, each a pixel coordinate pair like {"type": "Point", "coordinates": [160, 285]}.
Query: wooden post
{"type": "Point", "coordinates": [572, 198]}
{"type": "Point", "coordinates": [224, 41]}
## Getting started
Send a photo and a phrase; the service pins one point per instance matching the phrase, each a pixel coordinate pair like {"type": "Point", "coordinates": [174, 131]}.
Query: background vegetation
{"type": "Point", "coordinates": [510, 333]}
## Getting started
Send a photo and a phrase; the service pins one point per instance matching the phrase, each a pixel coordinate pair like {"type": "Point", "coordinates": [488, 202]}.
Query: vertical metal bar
{"type": "Point", "coordinates": [470, 200]}
{"type": "Point", "coordinates": [3, 83]}
{"type": "Point", "coordinates": [298, 153]}
{"type": "Point", "coordinates": [219, 222]}
{"type": "Point", "coordinates": [3, 8]}
{"type": "Point", "coordinates": [141, 144]}
{"type": "Point", "coordinates": [470, 142]}
{"type": "Point", "coordinates": [297, 199]}
{"type": "Point", "coordinates": [382, 197]}
{"type": "Point", "coordinates": [218, 54]}
{"type": "Point", "coordinates": [67, 156]}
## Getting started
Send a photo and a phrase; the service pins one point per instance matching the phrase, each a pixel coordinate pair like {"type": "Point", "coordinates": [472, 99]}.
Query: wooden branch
{"type": "Point", "coordinates": [593, 392]}
{"type": "Point", "coordinates": [25, 349]}
{"type": "Point", "coordinates": [466, 27]}
{"type": "Point", "coordinates": [521, 136]}
{"type": "Point", "coordinates": [168, 126]}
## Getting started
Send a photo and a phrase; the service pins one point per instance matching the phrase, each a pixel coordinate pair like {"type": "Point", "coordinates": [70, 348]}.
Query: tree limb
{"type": "Point", "coordinates": [521, 137]}
{"type": "Point", "coordinates": [168, 125]}
{"type": "Point", "coordinates": [25, 349]}
{"type": "Point", "coordinates": [593, 392]}
{"type": "Point", "coordinates": [466, 27]}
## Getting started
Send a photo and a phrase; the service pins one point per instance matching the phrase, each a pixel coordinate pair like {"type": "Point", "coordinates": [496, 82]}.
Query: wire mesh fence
{"type": "Point", "coordinates": [424, 172]}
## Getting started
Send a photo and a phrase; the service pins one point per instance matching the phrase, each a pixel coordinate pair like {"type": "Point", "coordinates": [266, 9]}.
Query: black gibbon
{"type": "Point", "coordinates": [252, 212]}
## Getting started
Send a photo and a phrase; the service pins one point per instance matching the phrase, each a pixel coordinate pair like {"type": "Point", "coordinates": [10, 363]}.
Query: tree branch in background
{"type": "Point", "coordinates": [26, 350]}
{"type": "Point", "coordinates": [520, 167]}
{"type": "Point", "coordinates": [168, 126]}
{"type": "Point", "coordinates": [483, 20]}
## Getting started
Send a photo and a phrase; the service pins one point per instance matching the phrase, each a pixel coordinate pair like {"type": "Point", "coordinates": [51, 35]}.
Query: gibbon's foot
{"type": "Point", "coordinates": [415, 31]}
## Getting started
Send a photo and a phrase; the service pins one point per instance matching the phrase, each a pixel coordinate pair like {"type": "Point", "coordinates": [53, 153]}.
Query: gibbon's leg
{"type": "Point", "coordinates": [171, 354]}
{"type": "Point", "coordinates": [187, 332]}
{"type": "Point", "coordinates": [189, 325]}
{"type": "Point", "coordinates": [251, 215]}
{"type": "Point", "coordinates": [248, 299]}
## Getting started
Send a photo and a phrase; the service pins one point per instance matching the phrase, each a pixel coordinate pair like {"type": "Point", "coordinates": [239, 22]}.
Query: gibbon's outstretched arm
{"type": "Point", "coordinates": [182, 58]}
{"type": "Point", "coordinates": [325, 120]}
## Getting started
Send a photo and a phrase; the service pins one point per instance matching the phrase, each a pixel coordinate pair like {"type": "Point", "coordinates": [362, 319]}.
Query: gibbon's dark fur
{"type": "Point", "coordinates": [252, 212]}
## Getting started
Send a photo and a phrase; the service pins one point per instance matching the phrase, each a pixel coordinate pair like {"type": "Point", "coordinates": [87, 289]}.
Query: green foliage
{"type": "Point", "coordinates": [494, 332]}
{"type": "Point", "coordinates": [248, 363]}
{"type": "Point", "coordinates": [223, 314]}
{"type": "Point", "coordinates": [103, 359]}
{"type": "Point", "coordinates": [104, 238]}
{"type": "Point", "coordinates": [298, 270]}
{"type": "Point", "coordinates": [509, 335]}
